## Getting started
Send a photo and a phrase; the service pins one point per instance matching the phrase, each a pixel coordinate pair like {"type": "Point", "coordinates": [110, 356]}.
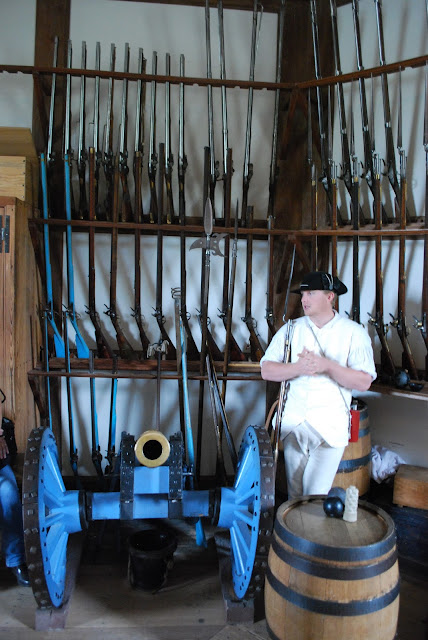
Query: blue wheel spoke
{"type": "Point", "coordinates": [240, 476]}
{"type": "Point", "coordinates": [56, 550]}
{"type": "Point", "coordinates": [245, 497]}
{"type": "Point", "coordinates": [52, 474]}
{"type": "Point", "coordinates": [245, 516]}
{"type": "Point", "coordinates": [51, 500]}
{"type": "Point", "coordinates": [238, 546]}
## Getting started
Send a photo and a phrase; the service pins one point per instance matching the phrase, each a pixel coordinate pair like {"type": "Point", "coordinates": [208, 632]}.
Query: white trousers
{"type": "Point", "coordinates": [310, 463]}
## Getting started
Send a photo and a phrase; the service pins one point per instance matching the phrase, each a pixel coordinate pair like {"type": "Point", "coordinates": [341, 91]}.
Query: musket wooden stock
{"type": "Point", "coordinates": [387, 363]}
{"type": "Point", "coordinates": [255, 346]}
{"type": "Point", "coordinates": [158, 314]}
{"type": "Point", "coordinates": [126, 351]}
{"type": "Point", "coordinates": [104, 350]}
{"type": "Point", "coordinates": [136, 311]}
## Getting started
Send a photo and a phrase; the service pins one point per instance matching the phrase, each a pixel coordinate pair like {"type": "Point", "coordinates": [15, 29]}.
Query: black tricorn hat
{"type": "Point", "coordinates": [321, 281]}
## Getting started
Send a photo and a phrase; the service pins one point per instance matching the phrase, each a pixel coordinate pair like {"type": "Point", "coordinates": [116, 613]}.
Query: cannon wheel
{"type": "Point", "coordinates": [253, 512]}
{"type": "Point", "coordinates": [50, 514]}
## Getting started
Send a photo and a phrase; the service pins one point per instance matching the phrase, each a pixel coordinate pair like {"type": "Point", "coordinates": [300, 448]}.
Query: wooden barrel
{"type": "Point", "coordinates": [355, 466]}
{"type": "Point", "coordinates": [328, 579]}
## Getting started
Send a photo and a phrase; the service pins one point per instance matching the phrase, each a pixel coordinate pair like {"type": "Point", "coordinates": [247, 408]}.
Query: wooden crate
{"type": "Point", "coordinates": [20, 335]}
{"type": "Point", "coordinates": [19, 166]}
{"type": "Point", "coordinates": [411, 487]}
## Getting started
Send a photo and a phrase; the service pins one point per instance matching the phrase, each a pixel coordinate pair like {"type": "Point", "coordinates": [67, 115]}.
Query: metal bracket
{"type": "Point", "coordinates": [5, 234]}
{"type": "Point", "coordinates": [127, 462]}
{"type": "Point", "coordinates": [175, 462]}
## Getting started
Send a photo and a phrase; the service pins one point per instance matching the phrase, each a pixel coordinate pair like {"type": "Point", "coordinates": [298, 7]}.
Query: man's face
{"type": "Point", "coordinates": [316, 302]}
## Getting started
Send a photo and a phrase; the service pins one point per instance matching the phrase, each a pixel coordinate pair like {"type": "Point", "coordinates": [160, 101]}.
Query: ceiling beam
{"type": "Point", "coordinates": [270, 6]}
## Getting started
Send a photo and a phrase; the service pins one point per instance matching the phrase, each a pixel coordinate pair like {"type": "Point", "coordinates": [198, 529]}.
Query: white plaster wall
{"type": "Point", "coordinates": [17, 47]}
{"type": "Point", "coordinates": [178, 30]}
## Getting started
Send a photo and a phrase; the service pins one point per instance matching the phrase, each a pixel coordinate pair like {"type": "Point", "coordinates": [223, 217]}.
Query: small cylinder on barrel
{"type": "Point", "coordinates": [328, 578]}
{"type": "Point", "coordinates": [355, 466]}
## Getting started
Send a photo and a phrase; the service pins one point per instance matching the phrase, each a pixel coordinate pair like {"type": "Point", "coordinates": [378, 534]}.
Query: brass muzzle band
{"type": "Point", "coordinates": [152, 449]}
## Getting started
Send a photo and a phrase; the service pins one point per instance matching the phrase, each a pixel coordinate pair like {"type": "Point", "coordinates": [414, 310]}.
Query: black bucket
{"type": "Point", "coordinates": [150, 557]}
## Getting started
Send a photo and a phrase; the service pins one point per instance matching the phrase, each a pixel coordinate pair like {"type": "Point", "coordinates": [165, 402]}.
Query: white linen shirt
{"type": "Point", "coordinates": [318, 399]}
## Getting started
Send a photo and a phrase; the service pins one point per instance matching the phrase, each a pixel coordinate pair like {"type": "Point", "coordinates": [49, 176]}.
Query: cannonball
{"type": "Point", "coordinates": [333, 507]}
{"type": "Point", "coordinates": [338, 492]}
{"type": "Point", "coordinates": [401, 379]}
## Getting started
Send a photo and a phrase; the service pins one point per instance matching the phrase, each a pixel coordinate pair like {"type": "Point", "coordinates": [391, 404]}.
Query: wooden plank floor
{"type": "Point", "coordinates": [189, 607]}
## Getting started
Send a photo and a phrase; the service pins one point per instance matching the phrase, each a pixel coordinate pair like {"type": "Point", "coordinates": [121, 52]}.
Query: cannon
{"type": "Point", "coordinates": [152, 482]}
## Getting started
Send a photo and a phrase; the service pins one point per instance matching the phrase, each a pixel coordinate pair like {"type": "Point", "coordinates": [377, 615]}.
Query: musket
{"type": "Point", "coordinates": [111, 443]}
{"type": "Point", "coordinates": [169, 158]}
{"type": "Point", "coordinates": [387, 362]}
{"type": "Point", "coordinates": [248, 167]}
{"type": "Point", "coordinates": [192, 350]}
{"type": "Point", "coordinates": [256, 348]}
{"type": "Point", "coordinates": [220, 474]}
{"type": "Point", "coordinates": [82, 153]}
{"type": "Point", "coordinates": [153, 158]}
{"type": "Point", "coordinates": [108, 157]}
{"type": "Point", "coordinates": [391, 167]}
{"type": "Point", "coordinates": [325, 166]}
{"type": "Point", "coordinates": [82, 348]}
{"type": "Point", "coordinates": [423, 322]}
{"type": "Point", "coordinates": [283, 391]}
{"type": "Point", "coordinates": [50, 155]}
{"type": "Point", "coordinates": [232, 350]}
{"type": "Point", "coordinates": [104, 350]}
{"type": "Point", "coordinates": [208, 228]}
{"type": "Point", "coordinates": [346, 158]}
{"type": "Point", "coordinates": [158, 313]}
{"type": "Point", "coordinates": [49, 311]}
{"type": "Point", "coordinates": [68, 151]}
{"type": "Point", "coordinates": [213, 164]}
{"type": "Point", "coordinates": [273, 177]}
{"type": "Point", "coordinates": [400, 321]}
{"type": "Point", "coordinates": [125, 349]}
{"type": "Point", "coordinates": [138, 209]}
{"type": "Point", "coordinates": [355, 193]}
{"type": "Point", "coordinates": [314, 185]}
{"type": "Point", "coordinates": [188, 431]}
{"type": "Point", "coordinates": [270, 318]}
{"type": "Point", "coordinates": [95, 144]}
{"type": "Point", "coordinates": [73, 457]}
{"type": "Point", "coordinates": [126, 209]}
{"type": "Point", "coordinates": [96, 455]}
{"type": "Point", "coordinates": [368, 137]}
{"type": "Point", "coordinates": [228, 350]}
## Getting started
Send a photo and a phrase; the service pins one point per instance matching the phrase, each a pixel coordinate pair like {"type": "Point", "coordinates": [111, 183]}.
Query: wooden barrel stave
{"type": "Point", "coordinates": [355, 466]}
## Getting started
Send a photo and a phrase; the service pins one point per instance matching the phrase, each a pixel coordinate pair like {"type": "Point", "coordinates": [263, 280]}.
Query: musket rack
{"type": "Point", "coordinates": [314, 238]}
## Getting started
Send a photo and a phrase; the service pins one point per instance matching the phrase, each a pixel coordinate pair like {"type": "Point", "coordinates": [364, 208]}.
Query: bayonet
{"type": "Point", "coordinates": [50, 155]}
{"type": "Point", "coordinates": [213, 164]}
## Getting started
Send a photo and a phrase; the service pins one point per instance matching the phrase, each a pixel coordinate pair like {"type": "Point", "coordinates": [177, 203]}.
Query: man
{"type": "Point", "coordinates": [12, 536]}
{"type": "Point", "coordinates": [330, 356]}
